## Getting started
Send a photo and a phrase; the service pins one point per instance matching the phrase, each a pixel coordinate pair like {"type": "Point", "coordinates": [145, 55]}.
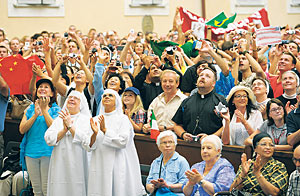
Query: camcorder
{"type": "Point", "coordinates": [66, 34]}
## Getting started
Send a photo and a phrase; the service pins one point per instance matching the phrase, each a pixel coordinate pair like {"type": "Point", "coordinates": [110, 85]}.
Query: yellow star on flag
{"type": "Point", "coordinates": [14, 55]}
{"type": "Point", "coordinates": [0, 65]}
{"type": "Point", "coordinates": [15, 63]}
{"type": "Point", "coordinates": [11, 69]}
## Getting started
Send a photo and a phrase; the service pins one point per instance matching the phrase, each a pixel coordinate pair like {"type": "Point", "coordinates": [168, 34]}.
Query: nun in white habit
{"type": "Point", "coordinates": [68, 170]}
{"type": "Point", "coordinates": [114, 168]}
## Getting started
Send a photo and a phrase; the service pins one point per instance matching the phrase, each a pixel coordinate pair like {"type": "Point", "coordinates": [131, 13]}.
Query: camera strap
{"type": "Point", "coordinates": [160, 167]}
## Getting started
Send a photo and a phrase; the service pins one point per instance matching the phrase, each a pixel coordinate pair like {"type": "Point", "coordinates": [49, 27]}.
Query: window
{"type": "Point", "coordinates": [247, 6]}
{"type": "Point", "coordinates": [36, 2]}
{"type": "Point", "coordinates": [146, 2]}
{"type": "Point", "coordinates": [36, 8]}
{"type": "Point", "coordinates": [293, 6]}
{"type": "Point", "coordinates": [146, 7]}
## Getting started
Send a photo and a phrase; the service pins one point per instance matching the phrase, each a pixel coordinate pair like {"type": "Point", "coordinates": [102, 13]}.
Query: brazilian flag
{"type": "Point", "coordinates": [159, 47]}
{"type": "Point", "coordinates": [221, 21]}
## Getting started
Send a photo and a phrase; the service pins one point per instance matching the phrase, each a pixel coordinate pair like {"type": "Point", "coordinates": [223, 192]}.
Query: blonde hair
{"type": "Point", "coordinates": [138, 104]}
{"type": "Point", "coordinates": [261, 58]}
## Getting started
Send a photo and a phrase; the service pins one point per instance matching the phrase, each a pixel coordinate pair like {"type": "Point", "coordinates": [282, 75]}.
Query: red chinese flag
{"type": "Point", "coordinates": [16, 73]}
{"type": "Point", "coordinates": [34, 59]}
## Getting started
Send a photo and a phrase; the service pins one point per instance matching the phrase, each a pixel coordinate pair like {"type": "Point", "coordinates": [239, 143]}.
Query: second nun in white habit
{"type": "Point", "coordinates": [68, 170]}
{"type": "Point", "coordinates": [114, 168]}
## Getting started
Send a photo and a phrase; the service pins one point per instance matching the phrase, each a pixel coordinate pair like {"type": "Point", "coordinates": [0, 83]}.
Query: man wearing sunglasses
{"type": "Point", "coordinates": [294, 182]}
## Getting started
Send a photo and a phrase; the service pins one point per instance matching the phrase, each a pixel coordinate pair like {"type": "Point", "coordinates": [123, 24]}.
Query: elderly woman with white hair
{"type": "Point", "coordinates": [167, 173]}
{"type": "Point", "coordinates": [68, 170]}
{"type": "Point", "coordinates": [213, 174]}
{"type": "Point", "coordinates": [114, 168]}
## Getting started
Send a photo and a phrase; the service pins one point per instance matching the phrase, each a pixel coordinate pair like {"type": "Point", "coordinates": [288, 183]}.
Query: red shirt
{"type": "Point", "coordinates": [276, 86]}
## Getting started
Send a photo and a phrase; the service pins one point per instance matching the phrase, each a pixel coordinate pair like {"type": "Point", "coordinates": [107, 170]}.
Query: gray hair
{"type": "Point", "coordinates": [165, 134]}
{"type": "Point", "coordinates": [215, 140]}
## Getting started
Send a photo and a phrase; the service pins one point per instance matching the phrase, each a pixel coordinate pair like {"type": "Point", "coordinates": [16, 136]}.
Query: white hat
{"type": "Point", "coordinates": [241, 88]}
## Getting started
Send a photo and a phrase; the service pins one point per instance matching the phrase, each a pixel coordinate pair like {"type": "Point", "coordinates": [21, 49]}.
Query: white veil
{"type": "Point", "coordinates": [118, 108]}
{"type": "Point", "coordinates": [84, 106]}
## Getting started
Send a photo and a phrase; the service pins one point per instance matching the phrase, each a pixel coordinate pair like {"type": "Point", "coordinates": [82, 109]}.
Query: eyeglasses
{"type": "Point", "coordinates": [265, 145]}
{"type": "Point", "coordinates": [240, 96]}
{"type": "Point", "coordinates": [167, 142]}
{"type": "Point", "coordinates": [278, 109]}
{"type": "Point", "coordinates": [295, 160]}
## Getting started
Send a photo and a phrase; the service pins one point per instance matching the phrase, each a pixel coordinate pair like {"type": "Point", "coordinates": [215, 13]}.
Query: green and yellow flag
{"type": "Point", "coordinates": [221, 21]}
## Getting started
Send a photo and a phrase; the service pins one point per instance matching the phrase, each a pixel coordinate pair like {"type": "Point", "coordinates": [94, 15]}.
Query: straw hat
{"type": "Point", "coordinates": [241, 88]}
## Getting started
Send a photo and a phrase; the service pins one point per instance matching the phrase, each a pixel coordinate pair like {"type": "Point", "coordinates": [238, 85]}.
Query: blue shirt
{"type": "Point", "coordinates": [221, 175]}
{"type": "Point", "coordinates": [98, 86]}
{"type": "Point", "coordinates": [3, 107]}
{"type": "Point", "coordinates": [173, 172]}
{"type": "Point", "coordinates": [36, 145]}
{"type": "Point", "coordinates": [224, 84]}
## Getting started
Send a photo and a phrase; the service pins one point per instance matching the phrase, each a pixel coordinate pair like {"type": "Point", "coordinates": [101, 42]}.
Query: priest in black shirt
{"type": "Point", "coordinates": [196, 118]}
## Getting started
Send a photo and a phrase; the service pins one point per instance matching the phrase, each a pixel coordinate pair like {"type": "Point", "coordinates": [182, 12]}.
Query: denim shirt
{"type": "Point", "coordinates": [173, 172]}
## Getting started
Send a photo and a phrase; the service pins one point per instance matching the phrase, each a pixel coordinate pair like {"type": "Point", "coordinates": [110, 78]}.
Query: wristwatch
{"type": "Point", "coordinates": [201, 182]}
{"type": "Point", "coordinates": [69, 127]}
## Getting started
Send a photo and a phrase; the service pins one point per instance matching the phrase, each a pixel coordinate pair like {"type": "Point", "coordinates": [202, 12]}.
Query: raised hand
{"type": "Point", "coordinates": [245, 165]}
{"type": "Point", "coordinates": [66, 117]}
{"type": "Point", "coordinates": [193, 176]}
{"type": "Point", "coordinates": [102, 123]}
{"type": "Point", "coordinates": [44, 103]}
{"type": "Point", "coordinates": [36, 69]}
{"type": "Point", "coordinates": [240, 115]}
{"type": "Point", "coordinates": [94, 126]}
{"type": "Point", "coordinates": [226, 115]}
{"type": "Point", "coordinates": [257, 165]}
{"type": "Point", "coordinates": [46, 43]}
{"type": "Point", "coordinates": [131, 37]}
{"type": "Point", "coordinates": [37, 109]}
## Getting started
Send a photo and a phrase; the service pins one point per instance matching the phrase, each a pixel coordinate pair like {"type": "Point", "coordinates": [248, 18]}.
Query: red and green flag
{"type": "Point", "coordinates": [153, 126]}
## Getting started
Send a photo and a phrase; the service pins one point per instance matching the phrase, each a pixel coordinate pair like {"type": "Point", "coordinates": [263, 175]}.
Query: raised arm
{"type": "Point", "coordinates": [89, 75]}
{"type": "Point", "coordinates": [79, 41]}
{"type": "Point", "coordinates": [219, 60]}
{"type": "Point", "coordinates": [60, 87]}
{"type": "Point", "coordinates": [3, 87]}
{"type": "Point", "coordinates": [255, 66]}
{"type": "Point", "coordinates": [47, 48]}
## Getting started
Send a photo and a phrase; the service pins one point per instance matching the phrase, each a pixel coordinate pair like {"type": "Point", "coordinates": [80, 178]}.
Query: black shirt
{"type": "Point", "coordinates": [285, 100]}
{"type": "Point", "coordinates": [196, 113]}
{"type": "Point", "coordinates": [189, 80]}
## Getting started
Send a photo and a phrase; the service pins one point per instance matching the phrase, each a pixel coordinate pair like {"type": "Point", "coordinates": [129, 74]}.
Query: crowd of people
{"type": "Point", "coordinates": [97, 90]}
